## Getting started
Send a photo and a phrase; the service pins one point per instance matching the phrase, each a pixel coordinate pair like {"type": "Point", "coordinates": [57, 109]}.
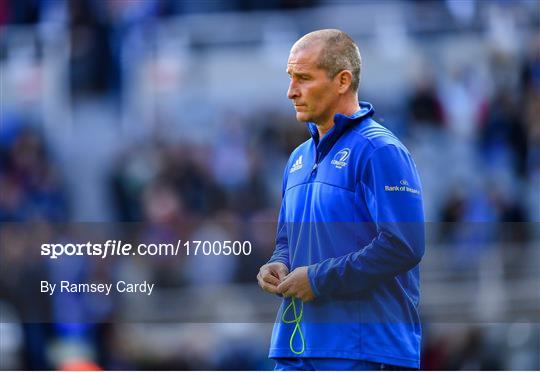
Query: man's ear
{"type": "Point", "coordinates": [345, 80]}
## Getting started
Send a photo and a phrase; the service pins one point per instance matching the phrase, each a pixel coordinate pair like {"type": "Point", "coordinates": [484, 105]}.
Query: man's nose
{"type": "Point", "coordinates": [292, 92]}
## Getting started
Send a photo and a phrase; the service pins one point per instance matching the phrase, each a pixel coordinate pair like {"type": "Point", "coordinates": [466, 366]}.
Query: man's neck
{"type": "Point", "coordinates": [347, 110]}
{"type": "Point", "coordinates": [324, 128]}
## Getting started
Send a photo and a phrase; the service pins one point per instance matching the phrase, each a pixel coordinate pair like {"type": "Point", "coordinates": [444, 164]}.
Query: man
{"type": "Point", "coordinates": [350, 231]}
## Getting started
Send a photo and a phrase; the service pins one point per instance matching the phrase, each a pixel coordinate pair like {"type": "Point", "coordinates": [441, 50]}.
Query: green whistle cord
{"type": "Point", "coordinates": [296, 321]}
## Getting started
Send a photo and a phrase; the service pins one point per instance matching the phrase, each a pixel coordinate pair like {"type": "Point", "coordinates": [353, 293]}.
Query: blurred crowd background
{"type": "Point", "coordinates": [173, 115]}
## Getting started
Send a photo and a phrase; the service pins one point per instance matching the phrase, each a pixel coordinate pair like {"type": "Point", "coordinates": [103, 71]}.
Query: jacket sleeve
{"type": "Point", "coordinates": [281, 251]}
{"type": "Point", "coordinates": [392, 192]}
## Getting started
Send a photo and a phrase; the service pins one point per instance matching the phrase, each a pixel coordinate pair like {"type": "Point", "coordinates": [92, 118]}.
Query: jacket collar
{"type": "Point", "coordinates": [341, 124]}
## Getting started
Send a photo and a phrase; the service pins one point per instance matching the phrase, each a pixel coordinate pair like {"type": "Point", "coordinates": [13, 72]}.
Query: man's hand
{"type": "Point", "coordinates": [296, 284]}
{"type": "Point", "coordinates": [271, 275]}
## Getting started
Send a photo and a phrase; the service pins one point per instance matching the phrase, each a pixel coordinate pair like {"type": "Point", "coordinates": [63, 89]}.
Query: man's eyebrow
{"type": "Point", "coordinates": [299, 73]}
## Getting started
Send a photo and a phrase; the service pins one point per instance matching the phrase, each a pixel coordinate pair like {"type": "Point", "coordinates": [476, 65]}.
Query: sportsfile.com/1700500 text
{"type": "Point", "coordinates": [118, 248]}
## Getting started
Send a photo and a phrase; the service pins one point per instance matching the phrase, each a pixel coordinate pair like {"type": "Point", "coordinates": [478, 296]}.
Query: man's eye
{"type": "Point", "coordinates": [298, 77]}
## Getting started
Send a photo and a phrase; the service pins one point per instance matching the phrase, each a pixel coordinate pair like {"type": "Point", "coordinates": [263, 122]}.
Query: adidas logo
{"type": "Point", "coordinates": [297, 165]}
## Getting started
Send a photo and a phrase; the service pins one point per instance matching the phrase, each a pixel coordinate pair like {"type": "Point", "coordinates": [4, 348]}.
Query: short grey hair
{"type": "Point", "coordinates": [339, 52]}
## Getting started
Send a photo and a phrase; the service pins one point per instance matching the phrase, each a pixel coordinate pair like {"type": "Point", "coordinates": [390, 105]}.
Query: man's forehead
{"type": "Point", "coordinates": [293, 66]}
{"type": "Point", "coordinates": [302, 59]}
{"type": "Point", "coordinates": [304, 54]}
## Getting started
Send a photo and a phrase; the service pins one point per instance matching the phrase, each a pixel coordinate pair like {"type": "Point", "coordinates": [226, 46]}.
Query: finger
{"type": "Point", "coordinates": [270, 279]}
{"type": "Point", "coordinates": [265, 272]}
{"type": "Point", "coordinates": [282, 273]}
{"type": "Point", "coordinates": [289, 277]}
{"type": "Point", "coordinates": [266, 286]}
{"type": "Point", "coordinates": [260, 280]}
{"type": "Point", "coordinates": [270, 288]}
{"type": "Point", "coordinates": [284, 286]}
{"type": "Point", "coordinates": [289, 292]}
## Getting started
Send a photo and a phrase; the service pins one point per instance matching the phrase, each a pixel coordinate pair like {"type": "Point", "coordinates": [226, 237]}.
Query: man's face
{"type": "Point", "coordinates": [313, 93]}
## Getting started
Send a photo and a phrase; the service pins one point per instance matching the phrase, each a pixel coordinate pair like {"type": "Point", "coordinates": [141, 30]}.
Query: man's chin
{"type": "Point", "coordinates": [301, 116]}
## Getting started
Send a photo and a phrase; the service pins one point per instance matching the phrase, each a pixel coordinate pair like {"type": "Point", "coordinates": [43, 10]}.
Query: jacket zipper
{"type": "Point", "coordinates": [315, 166]}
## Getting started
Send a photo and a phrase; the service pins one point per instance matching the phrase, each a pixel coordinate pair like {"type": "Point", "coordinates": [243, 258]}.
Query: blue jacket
{"type": "Point", "coordinates": [352, 212]}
